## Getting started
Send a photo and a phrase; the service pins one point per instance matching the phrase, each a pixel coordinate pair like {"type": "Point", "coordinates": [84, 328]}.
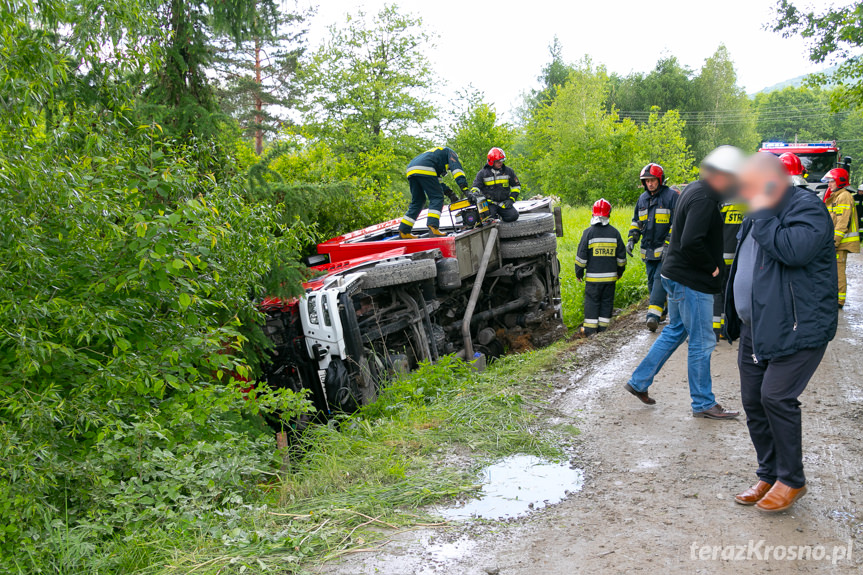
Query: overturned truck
{"type": "Point", "coordinates": [381, 305]}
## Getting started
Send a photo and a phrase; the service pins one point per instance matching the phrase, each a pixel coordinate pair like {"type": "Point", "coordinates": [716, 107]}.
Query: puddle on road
{"type": "Point", "coordinates": [517, 485]}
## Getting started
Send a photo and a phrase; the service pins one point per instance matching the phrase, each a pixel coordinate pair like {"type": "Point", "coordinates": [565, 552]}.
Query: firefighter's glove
{"type": "Point", "coordinates": [514, 196]}
{"type": "Point", "coordinates": [629, 247]}
{"type": "Point", "coordinates": [507, 204]}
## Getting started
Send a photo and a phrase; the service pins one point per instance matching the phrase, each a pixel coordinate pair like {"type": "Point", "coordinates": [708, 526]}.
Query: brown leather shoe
{"type": "Point", "coordinates": [642, 395]}
{"type": "Point", "coordinates": [780, 497]}
{"type": "Point", "coordinates": [754, 494]}
{"type": "Point", "coordinates": [716, 412]}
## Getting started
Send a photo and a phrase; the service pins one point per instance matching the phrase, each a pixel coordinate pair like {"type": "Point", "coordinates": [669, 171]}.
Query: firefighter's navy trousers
{"type": "Point", "coordinates": [422, 187]}
{"type": "Point", "coordinates": [598, 305]}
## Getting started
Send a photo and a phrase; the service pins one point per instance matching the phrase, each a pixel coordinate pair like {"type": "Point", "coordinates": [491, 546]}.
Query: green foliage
{"type": "Point", "coordinates": [371, 80]}
{"type": "Point", "coordinates": [794, 114]}
{"type": "Point", "coordinates": [475, 130]}
{"type": "Point", "coordinates": [258, 80]}
{"type": "Point", "coordinates": [580, 151]}
{"type": "Point", "coordinates": [664, 141]}
{"type": "Point", "coordinates": [834, 34]}
{"type": "Point", "coordinates": [715, 109]}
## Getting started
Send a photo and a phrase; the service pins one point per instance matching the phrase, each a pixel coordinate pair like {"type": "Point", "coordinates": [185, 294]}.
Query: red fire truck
{"type": "Point", "coordinates": [381, 305]}
{"type": "Point", "coordinates": [818, 158]}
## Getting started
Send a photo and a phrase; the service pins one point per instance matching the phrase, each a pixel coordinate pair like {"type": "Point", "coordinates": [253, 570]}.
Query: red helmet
{"type": "Point", "coordinates": [496, 154]}
{"type": "Point", "coordinates": [652, 170]}
{"type": "Point", "coordinates": [792, 163]}
{"type": "Point", "coordinates": [840, 175]}
{"type": "Point", "coordinates": [602, 208]}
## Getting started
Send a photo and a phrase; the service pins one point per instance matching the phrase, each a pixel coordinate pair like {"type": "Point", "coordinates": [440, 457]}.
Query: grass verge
{"type": "Point", "coordinates": [359, 483]}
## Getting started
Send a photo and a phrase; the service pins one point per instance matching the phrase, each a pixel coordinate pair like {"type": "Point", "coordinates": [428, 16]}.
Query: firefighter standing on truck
{"type": "Point", "coordinates": [732, 218]}
{"type": "Point", "coordinates": [846, 236]}
{"type": "Point", "coordinates": [600, 262]}
{"type": "Point", "coordinates": [652, 225]}
{"type": "Point", "coordinates": [425, 177]}
{"type": "Point", "coordinates": [498, 183]}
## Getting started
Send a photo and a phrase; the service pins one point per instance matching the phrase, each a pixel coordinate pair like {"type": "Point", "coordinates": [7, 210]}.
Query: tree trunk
{"type": "Point", "coordinates": [259, 103]}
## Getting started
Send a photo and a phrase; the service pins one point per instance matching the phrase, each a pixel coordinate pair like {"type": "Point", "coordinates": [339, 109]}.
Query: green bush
{"type": "Point", "coordinates": [128, 289]}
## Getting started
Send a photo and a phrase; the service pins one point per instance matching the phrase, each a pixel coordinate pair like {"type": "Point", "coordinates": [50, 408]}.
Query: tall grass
{"type": "Point", "coordinates": [630, 289]}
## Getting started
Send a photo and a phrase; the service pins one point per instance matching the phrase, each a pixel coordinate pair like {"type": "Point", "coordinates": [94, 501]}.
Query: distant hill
{"type": "Point", "coordinates": [791, 83]}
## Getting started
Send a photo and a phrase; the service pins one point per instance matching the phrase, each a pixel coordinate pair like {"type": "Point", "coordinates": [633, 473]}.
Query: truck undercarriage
{"type": "Point", "coordinates": [384, 305]}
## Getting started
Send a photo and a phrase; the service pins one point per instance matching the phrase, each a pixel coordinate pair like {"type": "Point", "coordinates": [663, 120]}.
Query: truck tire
{"type": "Point", "coordinates": [399, 272]}
{"type": "Point", "coordinates": [529, 247]}
{"type": "Point", "coordinates": [527, 225]}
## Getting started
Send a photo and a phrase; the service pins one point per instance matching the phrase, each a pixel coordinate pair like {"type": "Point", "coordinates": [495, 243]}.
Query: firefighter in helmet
{"type": "Point", "coordinates": [846, 236]}
{"type": "Point", "coordinates": [651, 224]}
{"type": "Point", "coordinates": [600, 262]}
{"type": "Point", "coordinates": [425, 177]}
{"type": "Point", "coordinates": [498, 183]}
{"type": "Point", "coordinates": [794, 167]}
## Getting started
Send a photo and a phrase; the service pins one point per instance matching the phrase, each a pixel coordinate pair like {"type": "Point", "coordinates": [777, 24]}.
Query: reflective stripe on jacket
{"type": "Point", "coordinates": [846, 235]}
{"type": "Point", "coordinates": [497, 186]}
{"type": "Point", "coordinates": [651, 222]}
{"type": "Point", "coordinates": [437, 162]}
{"type": "Point", "coordinates": [732, 217]}
{"type": "Point", "coordinates": [601, 255]}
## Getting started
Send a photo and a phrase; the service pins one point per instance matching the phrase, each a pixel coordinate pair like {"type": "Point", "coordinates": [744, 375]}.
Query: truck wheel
{"type": "Point", "coordinates": [529, 247]}
{"type": "Point", "coordinates": [399, 272]}
{"type": "Point", "coordinates": [527, 225]}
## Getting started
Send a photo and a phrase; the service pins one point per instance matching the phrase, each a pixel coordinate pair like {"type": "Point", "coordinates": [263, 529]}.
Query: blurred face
{"type": "Point", "coordinates": [651, 184]}
{"type": "Point", "coordinates": [831, 185]}
{"type": "Point", "coordinates": [498, 164]}
{"type": "Point", "coordinates": [724, 183]}
{"type": "Point", "coordinates": [761, 185]}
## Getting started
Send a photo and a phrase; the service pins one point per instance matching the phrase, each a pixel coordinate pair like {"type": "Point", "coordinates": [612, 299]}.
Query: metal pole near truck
{"type": "Point", "coordinates": [474, 294]}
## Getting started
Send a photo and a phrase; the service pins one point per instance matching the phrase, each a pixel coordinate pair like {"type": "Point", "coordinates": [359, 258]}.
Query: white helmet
{"type": "Point", "coordinates": [727, 159]}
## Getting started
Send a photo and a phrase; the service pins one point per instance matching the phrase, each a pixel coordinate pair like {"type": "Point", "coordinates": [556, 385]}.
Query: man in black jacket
{"type": "Point", "coordinates": [781, 303]}
{"type": "Point", "coordinates": [691, 275]}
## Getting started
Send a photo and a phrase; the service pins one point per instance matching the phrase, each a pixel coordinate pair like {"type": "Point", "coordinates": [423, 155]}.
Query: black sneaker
{"type": "Point", "coordinates": [652, 322]}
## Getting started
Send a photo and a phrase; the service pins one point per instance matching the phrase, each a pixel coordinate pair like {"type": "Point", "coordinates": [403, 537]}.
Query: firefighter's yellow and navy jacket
{"type": "Point", "coordinates": [436, 163]}
{"type": "Point", "coordinates": [601, 255]}
{"type": "Point", "coordinates": [652, 221]}
{"type": "Point", "coordinates": [846, 235]}
{"type": "Point", "coordinates": [497, 185]}
{"type": "Point", "coordinates": [732, 218]}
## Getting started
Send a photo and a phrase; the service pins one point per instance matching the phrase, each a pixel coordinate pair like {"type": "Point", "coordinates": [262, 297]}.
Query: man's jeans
{"type": "Point", "coordinates": [690, 314]}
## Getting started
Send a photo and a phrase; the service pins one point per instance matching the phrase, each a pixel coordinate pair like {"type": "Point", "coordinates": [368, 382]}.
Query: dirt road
{"type": "Point", "coordinates": [659, 484]}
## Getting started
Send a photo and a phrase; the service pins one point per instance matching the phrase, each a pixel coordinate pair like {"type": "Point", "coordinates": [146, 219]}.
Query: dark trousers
{"type": "Point", "coordinates": [719, 304]}
{"type": "Point", "coordinates": [598, 306]}
{"type": "Point", "coordinates": [654, 288]}
{"type": "Point", "coordinates": [498, 211]}
{"type": "Point", "coordinates": [769, 391]}
{"type": "Point", "coordinates": [422, 187]}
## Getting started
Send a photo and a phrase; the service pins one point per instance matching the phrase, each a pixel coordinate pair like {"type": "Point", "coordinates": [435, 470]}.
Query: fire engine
{"type": "Point", "coordinates": [380, 305]}
{"type": "Point", "coordinates": [818, 158]}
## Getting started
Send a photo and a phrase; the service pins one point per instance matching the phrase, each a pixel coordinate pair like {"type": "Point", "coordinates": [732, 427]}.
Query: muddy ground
{"type": "Point", "coordinates": [659, 484]}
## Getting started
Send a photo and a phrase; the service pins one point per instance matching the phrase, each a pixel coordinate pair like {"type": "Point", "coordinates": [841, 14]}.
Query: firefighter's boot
{"type": "Point", "coordinates": [433, 231]}
{"type": "Point", "coordinates": [407, 236]}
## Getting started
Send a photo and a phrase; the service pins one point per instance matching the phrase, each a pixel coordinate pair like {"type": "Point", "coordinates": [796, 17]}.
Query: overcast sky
{"type": "Point", "coordinates": [499, 46]}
